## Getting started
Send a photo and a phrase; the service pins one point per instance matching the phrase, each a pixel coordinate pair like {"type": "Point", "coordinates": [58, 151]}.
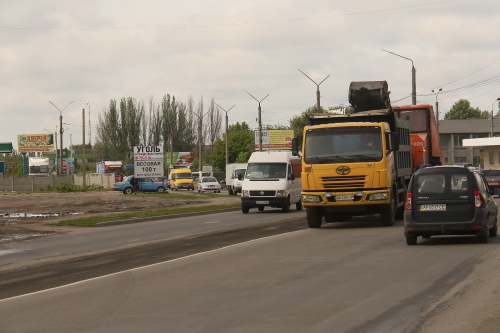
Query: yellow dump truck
{"type": "Point", "coordinates": [356, 164]}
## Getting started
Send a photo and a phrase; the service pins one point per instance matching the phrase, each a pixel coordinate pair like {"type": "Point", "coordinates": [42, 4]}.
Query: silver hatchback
{"type": "Point", "coordinates": [449, 200]}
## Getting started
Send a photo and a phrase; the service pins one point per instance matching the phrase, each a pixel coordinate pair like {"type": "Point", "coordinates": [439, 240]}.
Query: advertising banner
{"type": "Point", "coordinates": [148, 161]}
{"type": "Point", "coordinates": [274, 139]}
{"type": "Point", "coordinates": [182, 159]}
{"type": "Point", "coordinates": [29, 143]}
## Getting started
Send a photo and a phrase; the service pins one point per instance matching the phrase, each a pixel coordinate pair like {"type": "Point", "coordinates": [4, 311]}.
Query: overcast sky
{"type": "Point", "coordinates": [94, 51]}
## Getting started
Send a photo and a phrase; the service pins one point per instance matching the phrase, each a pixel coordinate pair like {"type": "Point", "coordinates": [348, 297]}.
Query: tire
{"type": "Point", "coordinates": [199, 191]}
{"type": "Point", "coordinates": [160, 189]}
{"type": "Point", "coordinates": [411, 240]}
{"type": "Point", "coordinates": [314, 217]}
{"type": "Point", "coordinates": [388, 213]}
{"type": "Point", "coordinates": [483, 239]}
{"type": "Point", "coordinates": [298, 205]}
{"type": "Point", "coordinates": [128, 190]}
{"type": "Point", "coordinates": [245, 209]}
{"type": "Point", "coordinates": [286, 207]}
{"type": "Point", "coordinates": [260, 208]}
{"type": "Point", "coordinates": [229, 191]}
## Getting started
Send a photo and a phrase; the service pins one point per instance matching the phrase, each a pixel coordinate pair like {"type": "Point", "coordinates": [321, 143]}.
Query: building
{"type": "Point", "coordinates": [452, 134]}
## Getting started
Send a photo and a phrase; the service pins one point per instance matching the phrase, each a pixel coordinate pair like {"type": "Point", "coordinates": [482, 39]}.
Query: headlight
{"type": "Point", "coordinates": [245, 193]}
{"type": "Point", "coordinates": [281, 193]}
{"type": "Point", "coordinates": [379, 196]}
{"type": "Point", "coordinates": [310, 198]}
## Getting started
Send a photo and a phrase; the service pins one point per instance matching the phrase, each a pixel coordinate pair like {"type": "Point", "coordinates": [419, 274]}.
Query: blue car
{"type": "Point", "coordinates": [132, 184]}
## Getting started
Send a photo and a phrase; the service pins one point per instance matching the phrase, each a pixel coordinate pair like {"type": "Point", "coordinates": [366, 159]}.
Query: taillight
{"type": "Point", "coordinates": [408, 201]}
{"type": "Point", "coordinates": [478, 200]}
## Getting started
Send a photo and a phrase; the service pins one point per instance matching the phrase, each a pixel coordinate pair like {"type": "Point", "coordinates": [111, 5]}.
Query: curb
{"type": "Point", "coordinates": [163, 217]}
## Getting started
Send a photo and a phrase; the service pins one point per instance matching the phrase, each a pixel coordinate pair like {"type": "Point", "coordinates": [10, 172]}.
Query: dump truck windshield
{"type": "Point", "coordinates": [343, 145]}
{"type": "Point", "coordinates": [418, 120]}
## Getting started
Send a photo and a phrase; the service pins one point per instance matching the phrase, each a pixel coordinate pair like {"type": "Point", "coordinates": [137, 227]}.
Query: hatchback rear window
{"type": "Point", "coordinates": [491, 173]}
{"type": "Point", "coordinates": [459, 183]}
{"type": "Point", "coordinates": [431, 183]}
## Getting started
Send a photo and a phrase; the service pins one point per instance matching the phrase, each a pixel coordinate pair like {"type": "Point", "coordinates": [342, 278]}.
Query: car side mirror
{"type": "Point", "coordinates": [295, 147]}
{"type": "Point", "coordinates": [291, 177]}
{"type": "Point", "coordinates": [240, 177]}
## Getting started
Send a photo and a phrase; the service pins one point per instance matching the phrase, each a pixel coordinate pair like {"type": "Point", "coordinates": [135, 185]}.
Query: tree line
{"type": "Point", "coordinates": [182, 126]}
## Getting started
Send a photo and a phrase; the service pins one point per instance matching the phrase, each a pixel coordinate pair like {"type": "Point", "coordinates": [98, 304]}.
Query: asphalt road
{"type": "Point", "coordinates": [271, 277]}
{"type": "Point", "coordinates": [28, 266]}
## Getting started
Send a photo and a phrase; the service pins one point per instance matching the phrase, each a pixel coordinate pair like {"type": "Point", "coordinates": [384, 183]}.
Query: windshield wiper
{"type": "Point", "coordinates": [367, 157]}
{"type": "Point", "coordinates": [329, 159]}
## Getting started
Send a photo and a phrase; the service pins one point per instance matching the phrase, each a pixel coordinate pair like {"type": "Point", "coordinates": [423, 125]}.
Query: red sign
{"type": "Point", "coordinates": [65, 167]}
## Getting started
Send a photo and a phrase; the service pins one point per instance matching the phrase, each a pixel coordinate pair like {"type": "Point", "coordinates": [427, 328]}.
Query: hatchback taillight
{"type": "Point", "coordinates": [478, 200]}
{"type": "Point", "coordinates": [408, 201]}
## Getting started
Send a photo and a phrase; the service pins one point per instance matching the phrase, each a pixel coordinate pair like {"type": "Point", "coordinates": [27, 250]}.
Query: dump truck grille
{"type": "Point", "coordinates": [344, 182]}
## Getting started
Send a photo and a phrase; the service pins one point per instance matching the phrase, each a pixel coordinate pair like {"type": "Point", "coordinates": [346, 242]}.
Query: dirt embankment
{"type": "Point", "coordinates": [23, 214]}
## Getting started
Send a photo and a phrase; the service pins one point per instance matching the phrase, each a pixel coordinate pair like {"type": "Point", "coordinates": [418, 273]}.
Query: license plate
{"type": "Point", "coordinates": [492, 183]}
{"type": "Point", "coordinates": [262, 202]}
{"type": "Point", "coordinates": [427, 208]}
{"type": "Point", "coordinates": [344, 197]}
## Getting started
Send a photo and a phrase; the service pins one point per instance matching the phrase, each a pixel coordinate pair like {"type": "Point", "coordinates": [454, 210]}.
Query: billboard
{"type": "Point", "coordinates": [148, 161]}
{"type": "Point", "coordinates": [30, 143]}
{"type": "Point", "coordinates": [182, 159]}
{"type": "Point", "coordinates": [274, 139]}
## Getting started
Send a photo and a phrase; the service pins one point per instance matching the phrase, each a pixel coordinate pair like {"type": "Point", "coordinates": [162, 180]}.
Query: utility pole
{"type": "Point", "coordinates": [413, 78]}
{"type": "Point", "coordinates": [260, 119]}
{"type": "Point", "coordinates": [437, 105]}
{"type": "Point", "coordinates": [200, 118]}
{"type": "Point", "coordinates": [318, 107]}
{"type": "Point", "coordinates": [59, 171]}
{"type": "Point", "coordinates": [498, 99]}
{"type": "Point", "coordinates": [83, 145]}
{"type": "Point", "coordinates": [227, 131]}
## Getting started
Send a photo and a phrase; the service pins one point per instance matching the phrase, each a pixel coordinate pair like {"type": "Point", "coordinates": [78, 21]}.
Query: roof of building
{"type": "Point", "coordinates": [468, 126]}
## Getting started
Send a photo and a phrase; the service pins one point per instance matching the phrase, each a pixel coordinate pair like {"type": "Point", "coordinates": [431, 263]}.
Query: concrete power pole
{"type": "Point", "coordinates": [318, 106]}
{"type": "Point", "coordinates": [260, 119]}
{"type": "Point", "coordinates": [227, 132]}
{"type": "Point", "coordinates": [83, 145]}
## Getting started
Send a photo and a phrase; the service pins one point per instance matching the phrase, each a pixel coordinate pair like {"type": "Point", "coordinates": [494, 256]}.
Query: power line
{"type": "Point", "coordinates": [235, 24]}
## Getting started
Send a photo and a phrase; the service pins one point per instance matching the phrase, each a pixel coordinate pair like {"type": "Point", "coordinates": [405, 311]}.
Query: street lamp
{"type": "Point", "coordinates": [317, 89]}
{"type": "Point", "coordinates": [437, 105]}
{"type": "Point", "coordinates": [260, 119]}
{"type": "Point", "coordinates": [83, 144]}
{"type": "Point", "coordinates": [199, 137]}
{"type": "Point", "coordinates": [413, 78]}
{"type": "Point", "coordinates": [227, 132]}
{"type": "Point", "coordinates": [498, 99]}
{"type": "Point", "coordinates": [59, 171]}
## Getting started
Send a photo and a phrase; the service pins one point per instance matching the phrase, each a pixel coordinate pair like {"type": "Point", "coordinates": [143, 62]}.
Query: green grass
{"type": "Point", "coordinates": [92, 221]}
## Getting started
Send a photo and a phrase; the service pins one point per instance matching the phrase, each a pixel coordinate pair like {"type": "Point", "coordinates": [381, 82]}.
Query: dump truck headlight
{"type": "Point", "coordinates": [379, 196]}
{"type": "Point", "coordinates": [310, 198]}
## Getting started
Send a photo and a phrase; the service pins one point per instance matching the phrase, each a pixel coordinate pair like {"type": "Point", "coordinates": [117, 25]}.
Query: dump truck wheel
{"type": "Point", "coordinates": [314, 217]}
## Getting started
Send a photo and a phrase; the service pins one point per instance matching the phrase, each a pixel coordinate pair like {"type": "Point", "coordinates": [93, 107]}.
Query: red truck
{"type": "Point", "coordinates": [425, 144]}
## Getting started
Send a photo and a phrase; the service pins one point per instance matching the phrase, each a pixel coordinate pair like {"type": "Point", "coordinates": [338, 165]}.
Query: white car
{"type": "Point", "coordinates": [208, 184]}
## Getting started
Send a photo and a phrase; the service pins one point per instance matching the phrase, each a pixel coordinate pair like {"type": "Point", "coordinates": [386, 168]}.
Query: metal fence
{"type": "Point", "coordinates": [34, 183]}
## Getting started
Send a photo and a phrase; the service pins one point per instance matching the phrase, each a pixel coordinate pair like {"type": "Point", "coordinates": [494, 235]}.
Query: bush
{"type": "Point", "coordinates": [65, 187]}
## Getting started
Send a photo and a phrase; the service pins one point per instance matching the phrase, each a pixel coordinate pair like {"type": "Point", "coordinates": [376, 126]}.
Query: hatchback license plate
{"type": "Point", "coordinates": [425, 208]}
{"type": "Point", "coordinates": [492, 183]}
{"type": "Point", "coordinates": [344, 197]}
{"type": "Point", "coordinates": [262, 202]}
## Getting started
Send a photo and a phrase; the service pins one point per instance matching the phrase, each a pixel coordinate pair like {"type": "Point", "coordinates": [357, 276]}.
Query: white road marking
{"type": "Point", "coordinates": [214, 222]}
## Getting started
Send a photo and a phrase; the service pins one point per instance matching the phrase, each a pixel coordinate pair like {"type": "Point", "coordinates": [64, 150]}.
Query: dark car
{"type": "Point", "coordinates": [449, 200]}
{"type": "Point", "coordinates": [493, 178]}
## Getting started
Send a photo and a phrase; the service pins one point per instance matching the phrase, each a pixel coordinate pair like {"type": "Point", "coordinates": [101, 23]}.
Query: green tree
{"type": "Point", "coordinates": [241, 142]}
{"type": "Point", "coordinates": [463, 110]}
